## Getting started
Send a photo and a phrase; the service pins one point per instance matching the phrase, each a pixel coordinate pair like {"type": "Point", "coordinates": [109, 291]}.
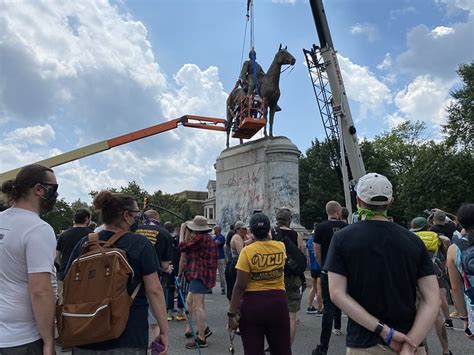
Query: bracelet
{"type": "Point", "coordinates": [389, 337]}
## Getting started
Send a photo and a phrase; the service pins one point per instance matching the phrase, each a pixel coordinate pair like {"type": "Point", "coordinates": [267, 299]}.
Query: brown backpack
{"type": "Point", "coordinates": [96, 302]}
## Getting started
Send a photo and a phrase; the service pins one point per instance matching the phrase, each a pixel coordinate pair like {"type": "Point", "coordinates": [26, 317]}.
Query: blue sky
{"type": "Point", "coordinates": [73, 73]}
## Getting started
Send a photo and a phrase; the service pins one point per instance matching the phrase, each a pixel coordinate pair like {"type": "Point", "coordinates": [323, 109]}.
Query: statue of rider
{"type": "Point", "coordinates": [246, 74]}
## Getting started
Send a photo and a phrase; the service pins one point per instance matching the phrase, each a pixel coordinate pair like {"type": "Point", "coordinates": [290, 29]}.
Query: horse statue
{"type": "Point", "coordinates": [269, 91]}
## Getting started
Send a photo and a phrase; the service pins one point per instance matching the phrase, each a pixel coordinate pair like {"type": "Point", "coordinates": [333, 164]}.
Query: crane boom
{"type": "Point", "coordinates": [324, 59]}
{"type": "Point", "coordinates": [208, 123]}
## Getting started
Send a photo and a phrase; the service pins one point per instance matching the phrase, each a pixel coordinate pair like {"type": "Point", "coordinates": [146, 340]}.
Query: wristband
{"type": "Point", "coordinates": [389, 337]}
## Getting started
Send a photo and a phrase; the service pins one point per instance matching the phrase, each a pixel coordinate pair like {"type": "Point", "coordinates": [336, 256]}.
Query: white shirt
{"type": "Point", "coordinates": [27, 246]}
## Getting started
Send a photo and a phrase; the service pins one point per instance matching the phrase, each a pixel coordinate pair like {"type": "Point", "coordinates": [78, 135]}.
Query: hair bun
{"type": "Point", "coordinates": [102, 199]}
{"type": "Point", "coordinates": [7, 187]}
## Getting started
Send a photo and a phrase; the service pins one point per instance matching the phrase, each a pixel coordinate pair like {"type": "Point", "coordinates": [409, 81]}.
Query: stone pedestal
{"type": "Point", "coordinates": [261, 174]}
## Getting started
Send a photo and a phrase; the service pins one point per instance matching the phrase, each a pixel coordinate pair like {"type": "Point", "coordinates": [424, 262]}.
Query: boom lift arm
{"type": "Point", "coordinates": [209, 123]}
{"type": "Point", "coordinates": [333, 104]}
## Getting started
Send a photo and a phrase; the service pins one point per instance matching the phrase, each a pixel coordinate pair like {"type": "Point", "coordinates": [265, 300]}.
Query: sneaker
{"type": "Point", "coordinates": [222, 292]}
{"type": "Point", "coordinates": [454, 314]}
{"type": "Point", "coordinates": [207, 333]}
{"type": "Point", "coordinates": [448, 323]}
{"type": "Point", "coordinates": [169, 315]}
{"type": "Point", "coordinates": [197, 343]}
{"type": "Point", "coordinates": [180, 316]}
{"type": "Point", "coordinates": [336, 332]}
{"type": "Point", "coordinates": [311, 310]}
{"type": "Point", "coordinates": [319, 313]}
{"type": "Point", "coordinates": [319, 351]}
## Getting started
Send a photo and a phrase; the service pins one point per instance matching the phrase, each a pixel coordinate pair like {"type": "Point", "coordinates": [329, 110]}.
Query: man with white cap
{"type": "Point", "coordinates": [375, 269]}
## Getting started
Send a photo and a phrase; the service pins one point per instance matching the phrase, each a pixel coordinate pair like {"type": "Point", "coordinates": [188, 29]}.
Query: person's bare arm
{"type": "Point", "coordinates": [237, 243]}
{"type": "Point", "coordinates": [317, 254]}
{"type": "Point", "coordinates": [237, 293]}
{"type": "Point", "coordinates": [156, 297]}
{"type": "Point", "coordinates": [42, 301]}
{"type": "Point", "coordinates": [457, 285]}
{"type": "Point", "coordinates": [340, 297]}
{"type": "Point", "coordinates": [301, 244]}
{"type": "Point", "coordinates": [427, 310]}
{"type": "Point", "coordinates": [182, 264]}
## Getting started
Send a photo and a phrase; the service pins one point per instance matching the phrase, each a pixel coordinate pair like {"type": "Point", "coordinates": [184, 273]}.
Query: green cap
{"type": "Point", "coordinates": [418, 223]}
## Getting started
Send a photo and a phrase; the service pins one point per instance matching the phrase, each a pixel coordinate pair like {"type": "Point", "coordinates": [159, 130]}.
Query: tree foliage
{"type": "Point", "coordinates": [460, 125]}
{"type": "Point", "coordinates": [425, 174]}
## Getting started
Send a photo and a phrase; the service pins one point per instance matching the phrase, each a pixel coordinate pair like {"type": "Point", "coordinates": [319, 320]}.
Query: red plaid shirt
{"type": "Point", "coordinates": [201, 259]}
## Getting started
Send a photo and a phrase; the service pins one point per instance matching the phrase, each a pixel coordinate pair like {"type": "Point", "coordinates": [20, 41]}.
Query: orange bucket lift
{"type": "Point", "coordinates": [249, 117]}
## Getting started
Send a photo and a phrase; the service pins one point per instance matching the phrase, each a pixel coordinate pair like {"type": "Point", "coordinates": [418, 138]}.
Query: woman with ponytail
{"type": "Point", "coordinates": [461, 269]}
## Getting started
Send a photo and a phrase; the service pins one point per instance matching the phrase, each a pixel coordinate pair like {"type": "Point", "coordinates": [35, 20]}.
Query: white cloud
{"type": "Point", "coordinates": [424, 99]}
{"type": "Point", "coordinates": [442, 31]}
{"type": "Point", "coordinates": [292, 2]}
{"type": "Point", "coordinates": [455, 6]}
{"type": "Point", "coordinates": [367, 29]}
{"type": "Point", "coordinates": [386, 63]}
{"type": "Point", "coordinates": [395, 14]}
{"type": "Point", "coordinates": [89, 71]}
{"type": "Point", "coordinates": [78, 62]}
{"type": "Point", "coordinates": [363, 86]}
{"type": "Point", "coordinates": [394, 120]}
{"type": "Point", "coordinates": [33, 135]}
{"type": "Point", "coordinates": [438, 51]}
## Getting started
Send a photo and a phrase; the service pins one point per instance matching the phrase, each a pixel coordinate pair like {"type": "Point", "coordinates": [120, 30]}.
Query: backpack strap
{"type": "Point", "coordinates": [135, 292]}
{"type": "Point", "coordinates": [93, 237]}
{"type": "Point", "coordinates": [113, 239]}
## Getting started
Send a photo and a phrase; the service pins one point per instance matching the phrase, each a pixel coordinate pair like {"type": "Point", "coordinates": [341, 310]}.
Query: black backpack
{"type": "Point", "coordinates": [295, 259]}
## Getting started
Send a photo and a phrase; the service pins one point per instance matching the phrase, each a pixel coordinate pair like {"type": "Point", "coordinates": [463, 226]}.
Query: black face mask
{"type": "Point", "coordinates": [134, 226]}
{"type": "Point", "coordinates": [49, 200]}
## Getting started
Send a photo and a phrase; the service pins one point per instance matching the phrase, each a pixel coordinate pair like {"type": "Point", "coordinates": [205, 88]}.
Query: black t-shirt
{"type": "Point", "coordinates": [382, 262]}
{"type": "Point", "coordinates": [323, 235]}
{"type": "Point", "coordinates": [66, 243]}
{"type": "Point", "coordinates": [446, 229]}
{"type": "Point", "coordinates": [160, 238]}
{"type": "Point", "coordinates": [142, 258]}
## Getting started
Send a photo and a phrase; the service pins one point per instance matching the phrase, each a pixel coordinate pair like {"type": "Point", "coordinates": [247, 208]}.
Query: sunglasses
{"type": "Point", "coordinates": [53, 187]}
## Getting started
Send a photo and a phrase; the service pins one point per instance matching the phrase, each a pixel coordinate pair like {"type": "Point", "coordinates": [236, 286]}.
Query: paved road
{"type": "Point", "coordinates": [307, 337]}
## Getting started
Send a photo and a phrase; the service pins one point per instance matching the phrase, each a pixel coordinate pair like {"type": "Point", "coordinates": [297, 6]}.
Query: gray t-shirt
{"type": "Point", "coordinates": [27, 246]}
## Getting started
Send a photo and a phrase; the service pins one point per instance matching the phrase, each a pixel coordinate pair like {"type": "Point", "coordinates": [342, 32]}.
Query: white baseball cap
{"type": "Point", "coordinates": [374, 189]}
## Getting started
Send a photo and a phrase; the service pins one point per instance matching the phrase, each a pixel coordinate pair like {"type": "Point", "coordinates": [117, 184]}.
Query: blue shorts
{"type": "Point", "coordinates": [197, 286]}
{"type": "Point", "coordinates": [315, 273]}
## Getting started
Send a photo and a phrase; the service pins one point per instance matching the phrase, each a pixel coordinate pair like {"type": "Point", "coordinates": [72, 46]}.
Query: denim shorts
{"type": "Point", "coordinates": [197, 286]}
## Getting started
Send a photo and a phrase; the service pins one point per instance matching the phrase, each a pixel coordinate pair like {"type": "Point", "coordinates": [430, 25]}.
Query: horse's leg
{"type": "Point", "coordinates": [272, 114]}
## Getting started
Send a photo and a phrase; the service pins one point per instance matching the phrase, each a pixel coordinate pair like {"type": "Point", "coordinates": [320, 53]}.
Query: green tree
{"type": "Point", "coordinates": [61, 217]}
{"type": "Point", "coordinates": [460, 125]}
{"type": "Point", "coordinates": [319, 182]}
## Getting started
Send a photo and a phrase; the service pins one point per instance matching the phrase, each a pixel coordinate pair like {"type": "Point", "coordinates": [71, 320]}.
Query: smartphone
{"type": "Point", "coordinates": [157, 347]}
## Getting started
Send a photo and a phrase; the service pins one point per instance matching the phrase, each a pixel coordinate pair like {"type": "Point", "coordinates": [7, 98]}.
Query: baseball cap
{"type": "Point", "coordinates": [259, 224]}
{"type": "Point", "coordinates": [374, 189]}
{"type": "Point", "coordinates": [239, 224]}
{"type": "Point", "coordinates": [439, 217]}
{"type": "Point", "coordinates": [418, 223]}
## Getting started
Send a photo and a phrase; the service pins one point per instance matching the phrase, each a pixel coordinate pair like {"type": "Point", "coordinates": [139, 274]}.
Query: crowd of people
{"type": "Point", "coordinates": [132, 275]}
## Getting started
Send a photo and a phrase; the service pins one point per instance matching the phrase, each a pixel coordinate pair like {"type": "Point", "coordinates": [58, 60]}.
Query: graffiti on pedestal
{"type": "Point", "coordinates": [284, 193]}
{"type": "Point", "coordinates": [243, 194]}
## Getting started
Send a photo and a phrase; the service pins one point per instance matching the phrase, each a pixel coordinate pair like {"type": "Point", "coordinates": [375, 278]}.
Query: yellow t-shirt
{"type": "Point", "coordinates": [265, 262]}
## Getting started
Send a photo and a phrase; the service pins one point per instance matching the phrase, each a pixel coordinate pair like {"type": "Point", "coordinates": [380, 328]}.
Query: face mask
{"type": "Point", "coordinates": [366, 214]}
{"type": "Point", "coordinates": [49, 199]}
{"type": "Point", "coordinates": [136, 221]}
